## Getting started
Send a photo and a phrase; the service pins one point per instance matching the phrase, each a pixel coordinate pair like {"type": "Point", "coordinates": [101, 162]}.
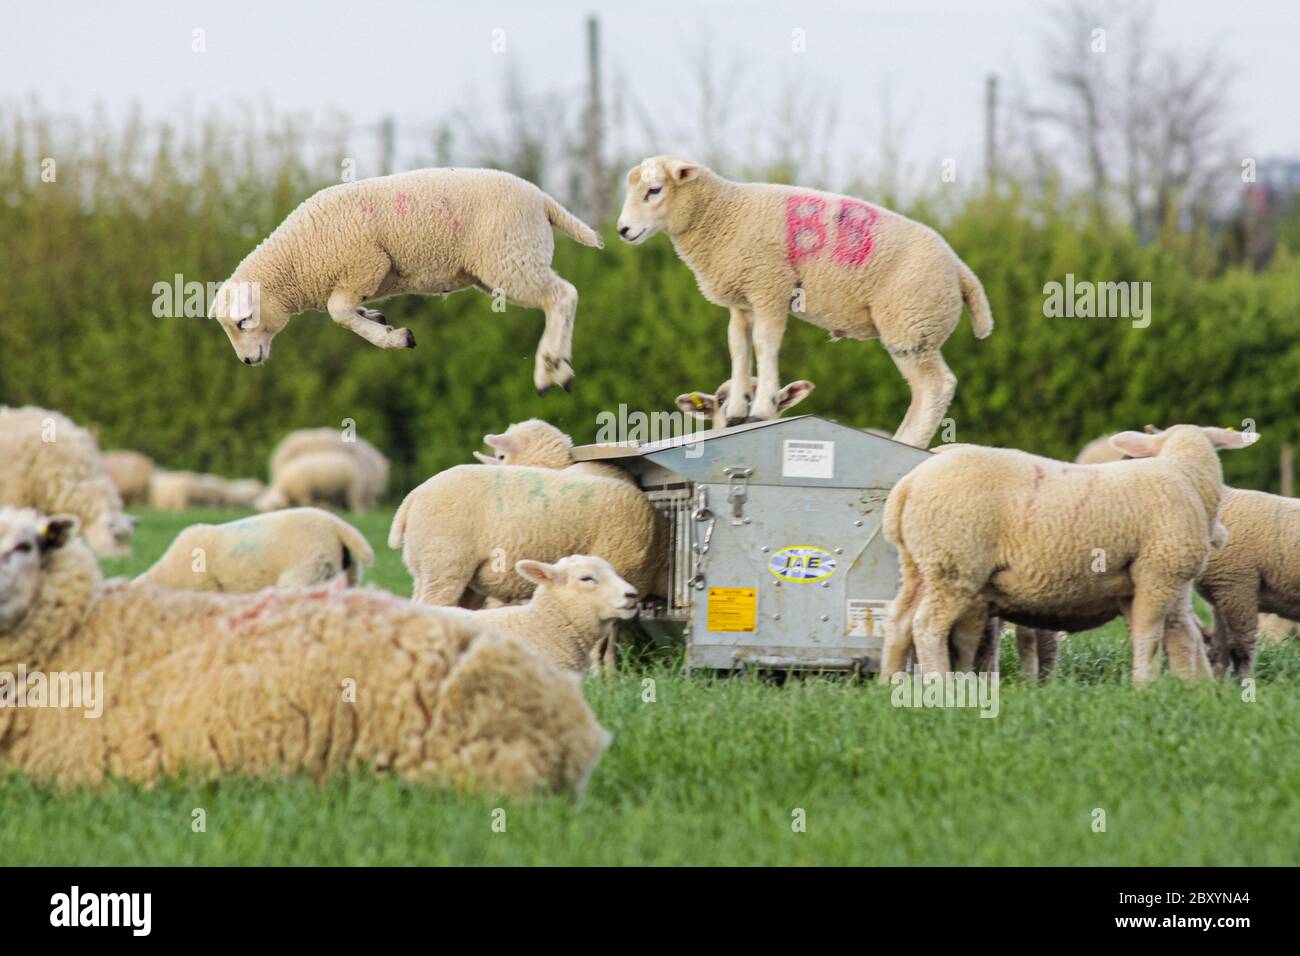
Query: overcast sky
{"type": "Point", "coordinates": [420, 59]}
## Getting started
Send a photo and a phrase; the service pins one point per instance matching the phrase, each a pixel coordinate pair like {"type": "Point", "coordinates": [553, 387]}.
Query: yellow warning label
{"type": "Point", "coordinates": [733, 609]}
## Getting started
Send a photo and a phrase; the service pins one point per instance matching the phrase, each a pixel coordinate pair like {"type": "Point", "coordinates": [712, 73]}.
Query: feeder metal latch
{"type": "Point", "coordinates": [702, 513]}
{"type": "Point", "coordinates": [737, 491]}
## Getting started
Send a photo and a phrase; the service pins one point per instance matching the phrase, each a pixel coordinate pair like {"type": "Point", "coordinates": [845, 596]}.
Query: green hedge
{"type": "Point", "coordinates": [81, 256]}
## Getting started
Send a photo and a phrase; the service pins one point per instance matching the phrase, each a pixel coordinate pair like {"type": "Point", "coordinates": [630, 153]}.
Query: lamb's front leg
{"type": "Point", "coordinates": [345, 309]}
{"type": "Point", "coordinates": [739, 330]}
{"type": "Point", "coordinates": [769, 329]}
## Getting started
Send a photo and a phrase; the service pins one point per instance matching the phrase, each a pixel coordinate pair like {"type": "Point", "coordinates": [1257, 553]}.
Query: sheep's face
{"type": "Point", "coordinates": [651, 188]}
{"type": "Point", "coordinates": [712, 408]}
{"type": "Point", "coordinates": [110, 535]}
{"type": "Point", "coordinates": [587, 581]}
{"type": "Point", "coordinates": [250, 320]}
{"type": "Point", "coordinates": [25, 538]}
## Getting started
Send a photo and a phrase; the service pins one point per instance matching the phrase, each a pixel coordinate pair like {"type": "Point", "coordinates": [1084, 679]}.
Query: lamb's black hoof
{"type": "Point", "coordinates": [732, 422]}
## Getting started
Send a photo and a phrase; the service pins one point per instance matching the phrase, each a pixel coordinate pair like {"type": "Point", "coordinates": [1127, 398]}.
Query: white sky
{"type": "Point", "coordinates": [420, 59]}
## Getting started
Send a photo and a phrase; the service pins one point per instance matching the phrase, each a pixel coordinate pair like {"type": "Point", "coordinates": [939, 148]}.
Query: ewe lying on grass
{"type": "Point", "coordinates": [463, 530]}
{"type": "Point", "coordinates": [572, 616]}
{"type": "Point", "coordinates": [48, 463]}
{"type": "Point", "coordinates": [856, 270]}
{"type": "Point", "coordinates": [1054, 545]}
{"type": "Point", "coordinates": [429, 231]}
{"type": "Point", "coordinates": [298, 547]}
{"type": "Point", "coordinates": [183, 490]}
{"type": "Point", "coordinates": [275, 683]}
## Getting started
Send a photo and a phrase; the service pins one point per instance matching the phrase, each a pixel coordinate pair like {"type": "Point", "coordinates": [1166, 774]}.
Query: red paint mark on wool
{"type": "Point", "coordinates": [403, 204]}
{"type": "Point", "coordinates": [367, 209]}
{"type": "Point", "coordinates": [805, 233]}
{"type": "Point", "coordinates": [806, 229]}
{"type": "Point", "coordinates": [254, 612]}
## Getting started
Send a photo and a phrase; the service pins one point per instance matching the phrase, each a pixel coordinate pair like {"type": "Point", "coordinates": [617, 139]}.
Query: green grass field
{"type": "Point", "coordinates": [713, 771]}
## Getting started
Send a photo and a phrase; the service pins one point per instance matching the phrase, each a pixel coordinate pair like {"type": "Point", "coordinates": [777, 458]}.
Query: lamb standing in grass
{"type": "Point", "coordinates": [329, 479]}
{"type": "Point", "coordinates": [856, 270]}
{"type": "Point", "coordinates": [311, 682]}
{"type": "Point", "coordinates": [1258, 570]}
{"type": "Point", "coordinates": [429, 231]}
{"type": "Point", "coordinates": [462, 531]}
{"type": "Point", "coordinates": [373, 465]}
{"type": "Point", "coordinates": [573, 613]}
{"type": "Point", "coordinates": [48, 463]}
{"type": "Point", "coordinates": [1049, 544]}
{"type": "Point", "coordinates": [299, 547]}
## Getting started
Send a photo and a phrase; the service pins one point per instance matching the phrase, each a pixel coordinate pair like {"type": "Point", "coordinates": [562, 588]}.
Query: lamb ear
{"type": "Point", "coordinates": [539, 572]}
{"type": "Point", "coordinates": [699, 404]}
{"type": "Point", "coordinates": [793, 394]}
{"type": "Point", "coordinates": [501, 442]}
{"type": "Point", "coordinates": [58, 531]}
{"type": "Point", "coordinates": [1228, 439]}
{"type": "Point", "coordinates": [485, 459]}
{"type": "Point", "coordinates": [683, 172]}
{"type": "Point", "coordinates": [1137, 444]}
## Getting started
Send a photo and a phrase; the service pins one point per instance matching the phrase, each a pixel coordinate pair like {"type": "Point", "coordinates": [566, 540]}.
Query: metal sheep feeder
{"type": "Point", "coordinates": [775, 551]}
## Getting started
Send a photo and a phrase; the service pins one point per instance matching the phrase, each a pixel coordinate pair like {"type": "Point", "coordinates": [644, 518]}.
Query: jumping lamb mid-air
{"type": "Point", "coordinates": [857, 270]}
{"type": "Point", "coordinates": [428, 231]}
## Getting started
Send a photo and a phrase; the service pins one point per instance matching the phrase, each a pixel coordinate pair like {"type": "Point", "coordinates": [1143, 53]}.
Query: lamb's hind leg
{"type": "Point", "coordinates": [933, 385]}
{"type": "Point", "coordinates": [345, 309]}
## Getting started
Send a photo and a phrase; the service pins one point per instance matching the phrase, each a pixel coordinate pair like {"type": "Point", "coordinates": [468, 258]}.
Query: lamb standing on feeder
{"type": "Point", "coordinates": [857, 270]}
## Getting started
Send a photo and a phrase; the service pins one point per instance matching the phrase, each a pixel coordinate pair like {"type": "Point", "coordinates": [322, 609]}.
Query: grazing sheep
{"type": "Point", "coordinates": [430, 231]}
{"type": "Point", "coordinates": [48, 463]}
{"type": "Point", "coordinates": [1258, 570]}
{"type": "Point", "coordinates": [374, 466]}
{"type": "Point", "coordinates": [182, 490]}
{"type": "Point", "coordinates": [130, 472]}
{"type": "Point", "coordinates": [854, 269]}
{"type": "Point", "coordinates": [311, 682]}
{"type": "Point", "coordinates": [573, 613]}
{"type": "Point", "coordinates": [327, 479]}
{"type": "Point", "coordinates": [294, 548]}
{"type": "Point", "coordinates": [463, 530]}
{"type": "Point", "coordinates": [1055, 545]}
{"type": "Point", "coordinates": [713, 408]}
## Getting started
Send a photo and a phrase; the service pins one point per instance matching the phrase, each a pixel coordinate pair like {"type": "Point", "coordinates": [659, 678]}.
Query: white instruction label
{"type": "Point", "coordinates": [866, 618]}
{"type": "Point", "coordinates": [808, 459]}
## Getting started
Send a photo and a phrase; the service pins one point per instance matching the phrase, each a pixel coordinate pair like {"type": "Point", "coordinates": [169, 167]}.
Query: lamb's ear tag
{"type": "Point", "coordinates": [696, 400]}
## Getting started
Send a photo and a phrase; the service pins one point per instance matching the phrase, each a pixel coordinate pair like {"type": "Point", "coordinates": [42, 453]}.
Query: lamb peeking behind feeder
{"type": "Point", "coordinates": [857, 270]}
{"type": "Point", "coordinates": [428, 231]}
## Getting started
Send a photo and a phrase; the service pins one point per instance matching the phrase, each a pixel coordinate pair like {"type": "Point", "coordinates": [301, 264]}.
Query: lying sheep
{"type": "Point", "coordinates": [309, 682]}
{"type": "Point", "coordinates": [857, 270]}
{"type": "Point", "coordinates": [331, 479]}
{"type": "Point", "coordinates": [48, 463]}
{"type": "Point", "coordinates": [573, 613]}
{"type": "Point", "coordinates": [130, 472]}
{"type": "Point", "coordinates": [463, 530]}
{"type": "Point", "coordinates": [373, 465]}
{"type": "Point", "coordinates": [183, 490]}
{"type": "Point", "coordinates": [430, 231]}
{"type": "Point", "coordinates": [713, 408]}
{"type": "Point", "coordinates": [538, 444]}
{"type": "Point", "coordinates": [1258, 570]}
{"type": "Point", "coordinates": [299, 547]}
{"type": "Point", "coordinates": [1049, 544]}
